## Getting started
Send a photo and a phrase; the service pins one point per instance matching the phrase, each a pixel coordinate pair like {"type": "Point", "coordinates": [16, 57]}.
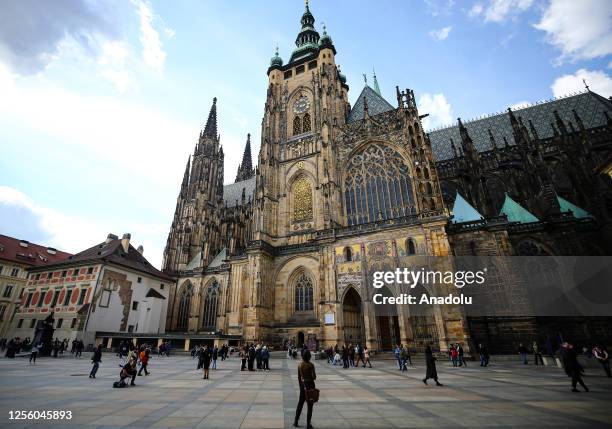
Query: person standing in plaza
{"type": "Point", "coordinates": [461, 355]}
{"type": "Point", "coordinates": [453, 355]}
{"type": "Point", "coordinates": [252, 357]}
{"type": "Point", "coordinates": [265, 358]}
{"type": "Point", "coordinates": [484, 355]}
{"type": "Point", "coordinates": [359, 355]}
{"type": "Point", "coordinates": [601, 354]}
{"type": "Point", "coordinates": [96, 359]}
{"type": "Point", "coordinates": [243, 357]}
{"type": "Point", "coordinates": [306, 380]}
{"type": "Point", "coordinates": [206, 357]}
{"type": "Point", "coordinates": [398, 355]}
{"type": "Point", "coordinates": [523, 352]}
{"type": "Point", "coordinates": [351, 355]}
{"type": "Point", "coordinates": [215, 355]}
{"type": "Point", "coordinates": [345, 356]}
{"type": "Point", "coordinates": [366, 357]}
{"type": "Point", "coordinates": [571, 366]}
{"type": "Point", "coordinates": [34, 352]}
{"type": "Point", "coordinates": [537, 354]}
{"type": "Point", "coordinates": [403, 358]}
{"type": "Point", "coordinates": [430, 362]}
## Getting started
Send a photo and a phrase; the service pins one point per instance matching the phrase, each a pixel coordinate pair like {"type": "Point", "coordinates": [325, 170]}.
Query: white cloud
{"type": "Point", "coordinates": [598, 81]}
{"type": "Point", "coordinates": [440, 34]}
{"type": "Point", "coordinates": [152, 51]}
{"type": "Point", "coordinates": [73, 234]}
{"type": "Point", "coordinates": [439, 109]}
{"type": "Point", "coordinates": [439, 7]}
{"type": "Point", "coordinates": [499, 10]}
{"type": "Point", "coordinates": [112, 62]}
{"type": "Point", "coordinates": [580, 29]}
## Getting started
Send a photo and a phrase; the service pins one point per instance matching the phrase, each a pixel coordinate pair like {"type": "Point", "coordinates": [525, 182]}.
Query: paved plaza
{"type": "Point", "coordinates": [174, 395]}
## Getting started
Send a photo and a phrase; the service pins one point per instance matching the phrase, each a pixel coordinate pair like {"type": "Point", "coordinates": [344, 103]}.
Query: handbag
{"type": "Point", "coordinates": [312, 395]}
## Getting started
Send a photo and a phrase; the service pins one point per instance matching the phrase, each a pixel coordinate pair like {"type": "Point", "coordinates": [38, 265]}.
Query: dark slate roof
{"type": "Point", "coordinates": [111, 252]}
{"type": "Point", "coordinates": [233, 192]}
{"type": "Point", "coordinates": [376, 105]}
{"type": "Point", "coordinates": [589, 106]}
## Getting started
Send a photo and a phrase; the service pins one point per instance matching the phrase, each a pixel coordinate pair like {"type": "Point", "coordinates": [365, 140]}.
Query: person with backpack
{"type": "Point", "coordinates": [96, 359]}
{"type": "Point", "coordinates": [265, 358]}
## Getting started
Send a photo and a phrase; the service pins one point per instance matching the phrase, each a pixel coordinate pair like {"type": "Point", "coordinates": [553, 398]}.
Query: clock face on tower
{"type": "Point", "coordinates": [301, 105]}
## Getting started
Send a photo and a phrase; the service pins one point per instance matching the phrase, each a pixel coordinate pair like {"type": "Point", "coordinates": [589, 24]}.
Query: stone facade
{"type": "Point", "coordinates": [341, 191]}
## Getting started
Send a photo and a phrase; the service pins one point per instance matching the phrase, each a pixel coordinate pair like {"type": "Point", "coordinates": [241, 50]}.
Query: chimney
{"type": "Point", "coordinates": [125, 242]}
{"type": "Point", "coordinates": [140, 249]}
{"type": "Point", "coordinates": [110, 237]}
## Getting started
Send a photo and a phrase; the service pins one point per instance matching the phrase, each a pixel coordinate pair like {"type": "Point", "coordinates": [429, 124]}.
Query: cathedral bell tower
{"type": "Point", "coordinates": [307, 98]}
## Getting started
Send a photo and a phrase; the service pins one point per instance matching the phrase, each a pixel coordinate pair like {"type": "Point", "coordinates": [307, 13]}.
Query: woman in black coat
{"type": "Point", "coordinates": [206, 355]}
{"type": "Point", "coordinates": [430, 360]}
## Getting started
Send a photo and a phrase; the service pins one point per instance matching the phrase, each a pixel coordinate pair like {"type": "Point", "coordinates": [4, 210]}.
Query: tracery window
{"type": "Point", "coordinates": [210, 304]}
{"type": "Point", "coordinates": [182, 322]}
{"type": "Point", "coordinates": [304, 292]}
{"type": "Point", "coordinates": [377, 186]}
{"type": "Point", "coordinates": [297, 126]}
{"type": "Point", "coordinates": [302, 200]}
{"type": "Point", "coordinates": [306, 123]}
{"type": "Point", "coordinates": [410, 247]}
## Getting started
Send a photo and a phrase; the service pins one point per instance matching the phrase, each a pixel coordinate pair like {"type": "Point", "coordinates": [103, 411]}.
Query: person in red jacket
{"type": "Point", "coordinates": [144, 361]}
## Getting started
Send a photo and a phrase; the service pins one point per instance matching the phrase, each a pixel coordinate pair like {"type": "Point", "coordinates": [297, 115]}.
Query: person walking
{"type": "Point", "coordinates": [484, 355]}
{"type": "Point", "coordinates": [403, 358]}
{"type": "Point", "coordinates": [571, 366]}
{"type": "Point", "coordinates": [398, 355]}
{"type": "Point", "coordinates": [523, 352]}
{"type": "Point", "coordinates": [96, 359]}
{"type": "Point", "coordinates": [306, 379]}
{"type": "Point", "coordinates": [366, 357]}
{"type": "Point", "coordinates": [453, 355]}
{"type": "Point", "coordinates": [601, 354]}
{"type": "Point", "coordinates": [206, 356]}
{"type": "Point", "coordinates": [351, 350]}
{"type": "Point", "coordinates": [243, 358]}
{"type": "Point", "coordinates": [34, 352]}
{"type": "Point", "coordinates": [144, 361]}
{"type": "Point", "coordinates": [430, 362]}
{"type": "Point", "coordinates": [215, 355]}
{"type": "Point", "coordinates": [345, 356]}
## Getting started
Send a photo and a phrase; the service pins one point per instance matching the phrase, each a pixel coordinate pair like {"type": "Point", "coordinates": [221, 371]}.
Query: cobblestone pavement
{"type": "Point", "coordinates": [174, 395]}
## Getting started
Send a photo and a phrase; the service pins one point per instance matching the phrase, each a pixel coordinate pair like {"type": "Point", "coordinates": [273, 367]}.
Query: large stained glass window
{"type": "Point", "coordinates": [210, 303]}
{"type": "Point", "coordinates": [304, 293]}
{"type": "Point", "coordinates": [302, 200]}
{"type": "Point", "coordinates": [182, 322]}
{"type": "Point", "coordinates": [377, 186]}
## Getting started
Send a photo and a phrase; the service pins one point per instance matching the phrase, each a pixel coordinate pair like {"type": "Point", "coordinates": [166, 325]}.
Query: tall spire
{"type": "Point", "coordinates": [185, 183]}
{"type": "Point", "coordinates": [376, 87]}
{"type": "Point", "coordinates": [210, 129]}
{"type": "Point", "coordinates": [307, 40]}
{"type": "Point", "coordinates": [245, 170]}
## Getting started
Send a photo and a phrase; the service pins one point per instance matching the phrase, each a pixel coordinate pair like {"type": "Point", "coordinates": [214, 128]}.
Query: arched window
{"type": "Point", "coordinates": [210, 303]}
{"type": "Point", "coordinates": [306, 123]}
{"type": "Point", "coordinates": [302, 200]}
{"type": "Point", "coordinates": [377, 186]}
{"type": "Point", "coordinates": [182, 321]}
{"type": "Point", "coordinates": [429, 188]}
{"type": "Point", "coordinates": [297, 126]}
{"type": "Point", "coordinates": [410, 247]}
{"type": "Point", "coordinates": [304, 293]}
{"type": "Point", "coordinates": [348, 255]}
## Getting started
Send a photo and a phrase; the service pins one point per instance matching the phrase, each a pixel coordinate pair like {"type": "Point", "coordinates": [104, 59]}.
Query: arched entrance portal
{"type": "Point", "coordinates": [352, 317]}
{"type": "Point", "coordinates": [388, 323]}
{"type": "Point", "coordinates": [423, 322]}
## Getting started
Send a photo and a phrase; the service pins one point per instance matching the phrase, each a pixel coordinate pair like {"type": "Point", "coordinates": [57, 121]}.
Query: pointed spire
{"type": "Point", "coordinates": [185, 183]}
{"type": "Point", "coordinates": [245, 170]}
{"type": "Point", "coordinates": [210, 129]}
{"type": "Point", "coordinates": [376, 87]}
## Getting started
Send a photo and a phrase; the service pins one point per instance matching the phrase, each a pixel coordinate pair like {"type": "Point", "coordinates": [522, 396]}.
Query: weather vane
{"type": "Point", "coordinates": [585, 84]}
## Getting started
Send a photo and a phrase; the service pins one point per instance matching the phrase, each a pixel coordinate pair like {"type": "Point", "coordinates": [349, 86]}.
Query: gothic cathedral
{"type": "Point", "coordinates": [286, 253]}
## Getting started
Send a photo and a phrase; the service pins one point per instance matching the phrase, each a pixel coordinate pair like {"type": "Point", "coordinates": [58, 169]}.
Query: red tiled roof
{"type": "Point", "coordinates": [111, 252]}
{"type": "Point", "coordinates": [24, 252]}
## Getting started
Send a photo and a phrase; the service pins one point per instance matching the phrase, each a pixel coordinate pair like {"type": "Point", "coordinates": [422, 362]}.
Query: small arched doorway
{"type": "Point", "coordinates": [352, 317]}
{"type": "Point", "coordinates": [300, 339]}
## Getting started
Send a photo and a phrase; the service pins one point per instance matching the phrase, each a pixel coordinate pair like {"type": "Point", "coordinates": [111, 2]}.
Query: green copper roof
{"type": "Point", "coordinates": [515, 212]}
{"type": "Point", "coordinates": [376, 87]}
{"type": "Point", "coordinates": [463, 211]}
{"type": "Point", "coordinates": [578, 213]}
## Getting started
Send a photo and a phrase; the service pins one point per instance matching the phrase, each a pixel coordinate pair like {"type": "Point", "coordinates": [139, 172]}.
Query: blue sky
{"type": "Point", "coordinates": [102, 102]}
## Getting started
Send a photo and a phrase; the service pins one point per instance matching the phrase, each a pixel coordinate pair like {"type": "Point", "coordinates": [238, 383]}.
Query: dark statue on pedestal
{"type": "Point", "coordinates": [44, 335]}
